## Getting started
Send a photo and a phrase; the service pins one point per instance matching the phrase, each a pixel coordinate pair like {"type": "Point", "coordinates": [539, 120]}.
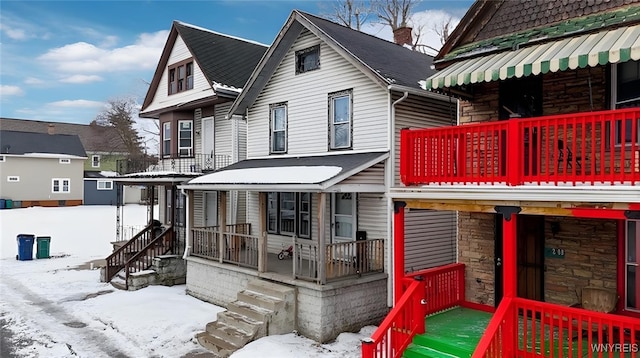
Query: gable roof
{"type": "Point", "coordinates": [94, 138]}
{"type": "Point", "coordinates": [20, 143]}
{"type": "Point", "coordinates": [386, 62]}
{"type": "Point", "coordinates": [224, 60]}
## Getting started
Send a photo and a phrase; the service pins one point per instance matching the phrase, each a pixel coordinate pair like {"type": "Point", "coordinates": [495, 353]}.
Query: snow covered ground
{"type": "Point", "coordinates": [52, 308]}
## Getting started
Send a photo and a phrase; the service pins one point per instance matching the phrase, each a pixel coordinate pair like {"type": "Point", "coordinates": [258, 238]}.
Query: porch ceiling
{"type": "Point", "coordinates": [599, 48]}
{"type": "Point", "coordinates": [310, 173]}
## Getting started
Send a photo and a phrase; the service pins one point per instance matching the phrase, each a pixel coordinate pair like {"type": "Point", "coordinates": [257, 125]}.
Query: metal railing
{"type": "Point", "coordinates": [196, 163]}
{"type": "Point", "coordinates": [592, 147]}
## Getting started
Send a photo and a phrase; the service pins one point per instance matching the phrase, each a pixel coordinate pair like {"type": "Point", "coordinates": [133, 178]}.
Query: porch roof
{"type": "Point", "coordinates": [308, 173]}
{"type": "Point", "coordinates": [155, 177]}
{"type": "Point", "coordinates": [537, 57]}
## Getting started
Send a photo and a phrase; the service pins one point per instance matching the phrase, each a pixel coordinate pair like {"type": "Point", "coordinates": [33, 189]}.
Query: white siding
{"type": "Point", "coordinates": [430, 239]}
{"type": "Point", "coordinates": [197, 128]}
{"type": "Point", "coordinates": [201, 88]}
{"type": "Point", "coordinates": [372, 215]}
{"type": "Point", "coordinates": [373, 175]}
{"type": "Point", "coordinates": [198, 208]}
{"type": "Point", "coordinates": [223, 130]}
{"type": "Point", "coordinates": [420, 112]}
{"type": "Point", "coordinates": [306, 95]}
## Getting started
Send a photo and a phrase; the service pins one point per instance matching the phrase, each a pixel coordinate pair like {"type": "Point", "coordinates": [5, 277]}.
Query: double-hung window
{"type": "Point", "coordinates": [278, 124]}
{"type": "Point", "coordinates": [180, 77]}
{"type": "Point", "coordinates": [185, 138]}
{"type": "Point", "coordinates": [625, 94]}
{"type": "Point", "coordinates": [95, 161]}
{"type": "Point", "coordinates": [289, 214]}
{"type": "Point", "coordinates": [632, 266]}
{"type": "Point", "coordinates": [60, 185]}
{"type": "Point", "coordinates": [166, 139]}
{"type": "Point", "coordinates": [105, 185]}
{"type": "Point", "coordinates": [340, 119]}
{"type": "Point", "coordinates": [308, 59]}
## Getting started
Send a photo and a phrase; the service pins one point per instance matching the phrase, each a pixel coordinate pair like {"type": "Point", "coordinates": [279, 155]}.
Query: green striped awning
{"type": "Point", "coordinates": [611, 46]}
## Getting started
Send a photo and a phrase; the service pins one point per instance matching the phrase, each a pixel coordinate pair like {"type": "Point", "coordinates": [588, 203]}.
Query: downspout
{"type": "Point", "coordinates": [390, 181]}
{"type": "Point", "coordinates": [187, 234]}
{"type": "Point", "coordinates": [235, 155]}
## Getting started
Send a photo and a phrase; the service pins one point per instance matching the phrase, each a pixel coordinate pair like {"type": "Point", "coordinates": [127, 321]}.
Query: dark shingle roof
{"type": "Point", "coordinates": [94, 138]}
{"type": "Point", "coordinates": [222, 58]}
{"type": "Point", "coordinates": [397, 64]}
{"type": "Point", "coordinates": [14, 142]}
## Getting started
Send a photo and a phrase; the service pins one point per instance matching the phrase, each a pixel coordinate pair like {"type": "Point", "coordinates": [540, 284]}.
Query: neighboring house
{"type": "Point", "coordinates": [324, 109]}
{"type": "Point", "coordinates": [199, 74]}
{"type": "Point", "coordinates": [543, 169]}
{"type": "Point", "coordinates": [41, 169]}
{"type": "Point", "coordinates": [103, 145]}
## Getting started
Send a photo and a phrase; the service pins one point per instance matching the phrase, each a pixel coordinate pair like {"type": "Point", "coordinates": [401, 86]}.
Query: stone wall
{"type": "Point", "coordinates": [475, 250]}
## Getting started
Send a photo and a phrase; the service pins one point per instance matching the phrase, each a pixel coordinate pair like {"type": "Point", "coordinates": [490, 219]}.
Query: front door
{"type": "Point", "coordinates": [531, 257]}
{"type": "Point", "coordinates": [208, 145]}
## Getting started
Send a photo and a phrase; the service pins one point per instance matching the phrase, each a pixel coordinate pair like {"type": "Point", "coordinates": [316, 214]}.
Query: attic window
{"type": "Point", "coordinates": [65, 161]}
{"type": "Point", "coordinates": [308, 59]}
{"type": "Point", "coordinates": [180, 77]}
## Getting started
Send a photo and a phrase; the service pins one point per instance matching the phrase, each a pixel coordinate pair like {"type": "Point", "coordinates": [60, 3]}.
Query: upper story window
{"type": "Point", "coordinates": [278, 125]}
{"type": "Point", "coordinates": [626, 93]}
{"type": "Point", "coordinates": [95, 161]}
{"type": "Point", "coordinates": [166, 139]}
{"type": "Point", "coordinates": [60, 185]}
{"type": "Point", "coordinates": [340, 119]}
{"type": "Point", "coordinates": [308, 59]}
{"type": "Point", "coordinates": [180, 77]}
{"type": "Point", "coordinates": [185, 138]}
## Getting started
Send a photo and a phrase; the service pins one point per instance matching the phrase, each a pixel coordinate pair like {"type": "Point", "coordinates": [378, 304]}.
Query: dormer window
{"type": "Point", "coordinates": [308, 59]}
{"type": "Point", "coordinates": [180, 77]}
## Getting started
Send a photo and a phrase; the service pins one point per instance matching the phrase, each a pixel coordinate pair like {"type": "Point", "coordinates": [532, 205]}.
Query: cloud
{"type": "Point", "coordinates": [77, 103]}
{"type": "Point", "coordinates": [83, 57]}
{"type": "Point", "coordinates": [82, 79]}
{"type": "Point", "coordinates": [6, 90]}
{"type": "Point", "coordinates": [33, 81]}
{"type": "Point", "coordinates": [15, 34]}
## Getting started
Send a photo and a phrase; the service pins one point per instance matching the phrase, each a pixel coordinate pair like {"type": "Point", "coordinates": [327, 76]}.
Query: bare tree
{"type": "Point", "coordinates": [443, 29]}
{"type": "Point", "coordinates": [350, 13]}
{"type": "Point", "coordinates": [395, 13]}
{"type": "Point", "coordinates": [119, 114]}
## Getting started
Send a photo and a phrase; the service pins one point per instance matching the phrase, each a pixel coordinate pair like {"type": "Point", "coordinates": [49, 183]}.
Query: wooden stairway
{"type": "Point", "coordinates": [262, 309]}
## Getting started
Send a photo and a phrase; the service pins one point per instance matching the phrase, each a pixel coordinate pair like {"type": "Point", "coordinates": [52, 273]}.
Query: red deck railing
{"type": "Point", "coordinates": [425, 292]}
{"type": "Point", "coordinates": [591, 147]}
{"type": "Point", "coordinates": [539, 329]}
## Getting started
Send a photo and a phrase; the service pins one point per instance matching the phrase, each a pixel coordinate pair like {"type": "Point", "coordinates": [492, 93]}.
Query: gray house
{"type": "Point", "coordinates": [41, 169]}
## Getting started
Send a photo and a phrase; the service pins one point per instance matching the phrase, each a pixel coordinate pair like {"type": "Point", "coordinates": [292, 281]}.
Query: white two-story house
{"type": "Point", "coordinates": [324, 109]}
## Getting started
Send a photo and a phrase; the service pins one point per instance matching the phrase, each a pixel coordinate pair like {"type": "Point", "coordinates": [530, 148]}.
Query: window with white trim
{"type": "Point", "coordinates": [289, 214]}
{"type": "Point", "coordinates": [343, 217]}
{"type": "Point", "coordinates": [308, 59]}
{"type": "Point", "coordinates": [13, 178]}
{"type": "Point", "coordinates": [625, 93]}
{"type": "Point", "coordinates": [185, 138]}
{"type": "Point", "coordinates": [105, 185]}
{"type": "Point", "coordinates": [166, 139]}
{"type": "Point", "coordinates": [65, 161]}
{"type": "Point", "coordinates": [278, 124]}
{"type": "Point", "coordinates": [632, 266]}
{"type": "Point", "coordinates": [95, 161]}
{"type": "Point", "coordinates": [60, 185]}
{"type": "Point", "coordinates": [340, 119]}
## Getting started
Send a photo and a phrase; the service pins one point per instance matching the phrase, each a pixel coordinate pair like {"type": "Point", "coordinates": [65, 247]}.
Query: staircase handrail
{"type": "Point", "coordinates": [130, 266]}
{"type": "Point", "coordinates": [403, 322]}
{"type": "Point", "coordinates": [116, 261]}
{"type": "Point", "coordinates": [494, 339]}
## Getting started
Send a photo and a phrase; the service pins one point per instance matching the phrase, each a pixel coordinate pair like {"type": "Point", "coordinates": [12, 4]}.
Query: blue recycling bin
{"type": "Point", "coordinates": [25, 247]}
{"type": "Point", "coordinates": [1, 203]}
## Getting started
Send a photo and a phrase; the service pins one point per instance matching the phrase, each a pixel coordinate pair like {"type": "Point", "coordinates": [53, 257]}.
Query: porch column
{"type": "Point", "coordinates": [189, 218]}
{"type": "Point", "coordinates": [222, 223]}
{"type": "Point", "coordinates": [262, 232]}
{"type": "Point", "coordinates": [398, 249]}
{"type": "Point", "coordinates": [510, 255]}
{"type": "Point", "coordinates": [151, 196]}
{"type": "Point", "coordinates": [322, 207]}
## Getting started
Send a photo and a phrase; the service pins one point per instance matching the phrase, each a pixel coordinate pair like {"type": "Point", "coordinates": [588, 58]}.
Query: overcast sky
{"type": "Point", "coordinates": [63, 60]}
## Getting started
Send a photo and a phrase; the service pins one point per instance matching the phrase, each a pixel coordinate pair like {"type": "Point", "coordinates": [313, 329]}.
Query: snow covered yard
{"type": "Point", "coordinates": [55, 309]}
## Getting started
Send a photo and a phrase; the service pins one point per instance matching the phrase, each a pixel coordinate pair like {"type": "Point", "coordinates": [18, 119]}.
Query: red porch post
{"type": "Point", "coordinates": [510, 272]}
{"type": "Point", "coordinates": [398, 249]}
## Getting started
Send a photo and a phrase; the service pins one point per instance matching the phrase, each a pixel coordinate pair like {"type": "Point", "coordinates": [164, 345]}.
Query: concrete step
{"type": "Point", "coordinates": [251, 311]}
{"type": "Point", "coordinates": [240, 321]}
{"type": "Point", "coordinates": [119, 283]}
{"type": "Point", "coordinates": [261, 300]}
{"type": "Point", "coordinates": [215, 345]}
{"type": "Point", "coordinates": [281, 292]}
{"type": "Point", "coordinates": [229, 334]}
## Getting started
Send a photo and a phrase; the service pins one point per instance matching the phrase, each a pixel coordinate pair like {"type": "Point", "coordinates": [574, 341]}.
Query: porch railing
{"type": "Point", "coordinates": [206, 240]}
{"type": "Point", "coordinates": [532, 328]}
{"type": "Point", "coordinates": [196, 163]}
{"type": "Point", "coordinates": [344, 259]}
{"type": "Point", "coordinates": [143, 259]}
{"type": "Point", "coordinates": [240, 249]}
{"type": "Point", "coordinates": [424, 292]}
{"type": "Point", "coordinates": [592, 147]}
{"type": "Point", "coordinates": [117, 260]}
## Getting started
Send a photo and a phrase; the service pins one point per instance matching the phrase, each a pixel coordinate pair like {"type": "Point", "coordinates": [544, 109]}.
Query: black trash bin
{"type": "Point", "coordinates": [25, 246]}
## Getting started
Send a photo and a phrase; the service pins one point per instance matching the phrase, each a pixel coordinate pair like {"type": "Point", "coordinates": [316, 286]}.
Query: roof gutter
{"type": "Point", "coordinates": [417, 92]}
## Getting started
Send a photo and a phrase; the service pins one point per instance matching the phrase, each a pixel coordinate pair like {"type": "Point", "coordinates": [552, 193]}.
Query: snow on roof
{"type": "Point", "coordinates": [221, 86]}
{"type": "Point", "coordinates": [160, 174]}
{"type": "Point", "coordinates": [221, 34]}
{"type": "Point", "coordinates": [52, 155]}
{"type": "Point", "coordinates": [270, 175]}
{"type": "Point", "coordinates": [106, 173]}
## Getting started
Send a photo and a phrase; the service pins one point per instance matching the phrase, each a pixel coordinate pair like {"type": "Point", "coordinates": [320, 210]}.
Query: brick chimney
{"type": "Point", "coordinates": [402, 36]}
{"type": "Point", "coordinates": [51, 129]}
